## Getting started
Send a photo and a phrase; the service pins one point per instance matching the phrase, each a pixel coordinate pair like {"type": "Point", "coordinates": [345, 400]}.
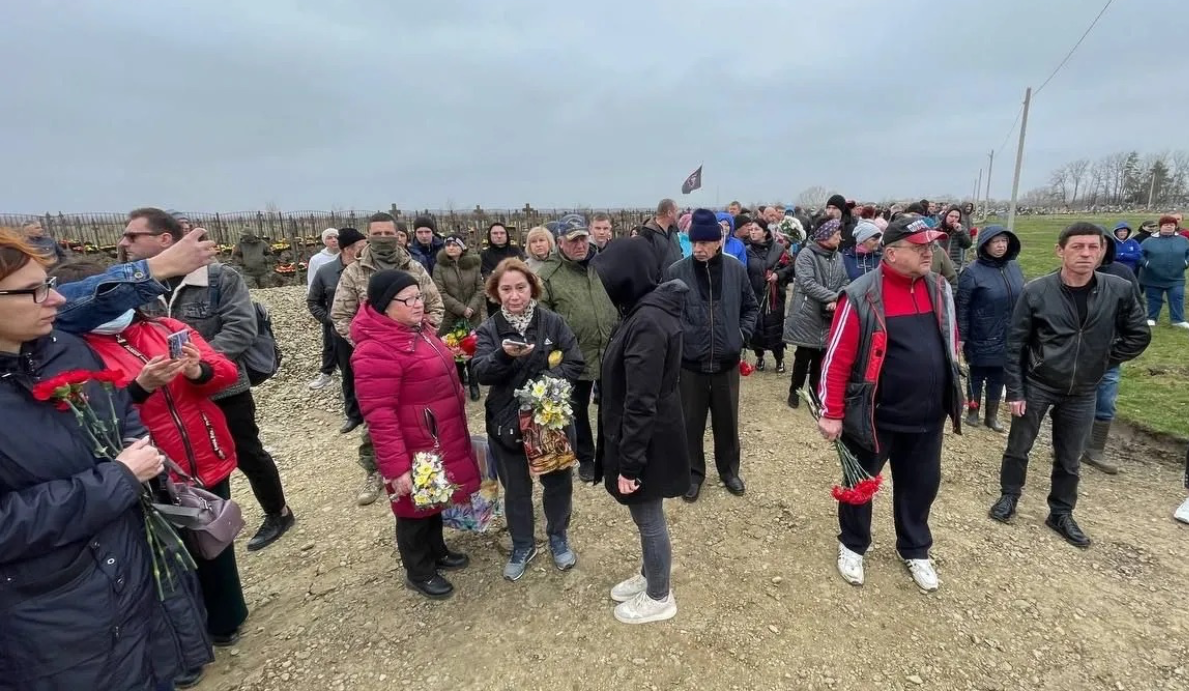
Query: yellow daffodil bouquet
{"type": "Point", "coordinates": [548, 399]}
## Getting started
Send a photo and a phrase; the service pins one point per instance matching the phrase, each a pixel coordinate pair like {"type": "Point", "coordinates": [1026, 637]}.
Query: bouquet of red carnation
{"type": "Point", "coordinates": [858, 486]}
{"type": "Point", "coordinates": [68, 392]}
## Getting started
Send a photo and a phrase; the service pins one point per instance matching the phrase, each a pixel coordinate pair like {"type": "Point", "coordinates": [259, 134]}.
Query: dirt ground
{"type": "Point", "coordinates": [760, 603]}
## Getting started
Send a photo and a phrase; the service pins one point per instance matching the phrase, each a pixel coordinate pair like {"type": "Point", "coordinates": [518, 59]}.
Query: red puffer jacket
{"type": "Point", "coordinates": [400, 372]}
{"type": "Point", "coordinates": [180, 417]}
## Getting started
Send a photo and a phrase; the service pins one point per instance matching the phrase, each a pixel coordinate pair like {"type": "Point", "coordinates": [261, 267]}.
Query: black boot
{"type": "Point", "coordinates": [794, 398]}
{"type": "Point", "coordinates": [272, 528]}
{"type": "Point", "coordinates": [760, 363]}
{"type": "Point", "coordinates": [436, 588]}
{"type": "Point", "coordinates": [1067, 528]}
{"type": "Point", "coordinates": [991, 417]}
{"type": "Point", "coordinates": [971, 416]}
{"type": "Point", "coordinates": [472, 382]}
{"type": "Point", "coordinates": [780, 366]}
{"type": "Point", "coordinates": [1004, 509]}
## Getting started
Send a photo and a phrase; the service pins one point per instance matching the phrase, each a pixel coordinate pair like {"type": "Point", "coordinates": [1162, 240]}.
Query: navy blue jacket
{"type": "Point", "coordinates": [78, 604]}
{"type": "Point", "coordinates": [987, 294]}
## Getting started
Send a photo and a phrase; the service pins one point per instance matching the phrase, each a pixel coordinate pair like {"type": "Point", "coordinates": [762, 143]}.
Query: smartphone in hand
{"type": "Point", "coordinates": [177, 341]}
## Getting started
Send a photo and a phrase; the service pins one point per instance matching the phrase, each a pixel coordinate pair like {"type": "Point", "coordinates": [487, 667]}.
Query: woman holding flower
{"type": "Point", "coordinates": [172, 396]}
{"type": "Point", "coordinates": [458, 278]}
{"type": "Point", "coordinates": [75, 563]}
{"type": "Point", "coordinates": [413, 403]}
{"type": "Point", "coordinates": [517, 346]}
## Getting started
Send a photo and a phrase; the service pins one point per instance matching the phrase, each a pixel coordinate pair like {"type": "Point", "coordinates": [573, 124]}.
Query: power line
{"type": "Point", "coordinates": [1007, 136]}
{"type": "Point", "coordinates": [1074, 49]}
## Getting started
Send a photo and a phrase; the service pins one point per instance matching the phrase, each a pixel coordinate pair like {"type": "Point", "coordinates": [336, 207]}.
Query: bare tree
{"type": "Point", "coordinates": [1116, 175]}
{"type": "Point", "coordinates": [814, 197]}
{"type": "Point", "coordinates": [1059, 182]}
{"type": "Point", "coordinates": [1077, 173]}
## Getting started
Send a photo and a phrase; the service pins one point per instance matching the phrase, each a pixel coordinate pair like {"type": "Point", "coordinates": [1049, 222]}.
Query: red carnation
{"type": "Point", "coordinates": [745, 368]}
{"type": "Point", "coordinates": [468, 343]}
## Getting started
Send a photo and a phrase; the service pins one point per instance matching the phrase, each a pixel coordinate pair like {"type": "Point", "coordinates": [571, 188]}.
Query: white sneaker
{"type": "Point", "coordinates": [850, 565]}
{"type": "Point", "coordinates": [1182, 513]}
{"type": "Point", "coordinates": [923, 574]}
{"type": "Point", "coordinates": [321, 382]}
{"type": "Point", "coordinates": [644, 610]}
{"type": "Point", "coordinates": [629, 588]}
{"type": "Point", "coordinates": [1182, 325]}
{"type": "Point", "coordinates": [1151, 322]}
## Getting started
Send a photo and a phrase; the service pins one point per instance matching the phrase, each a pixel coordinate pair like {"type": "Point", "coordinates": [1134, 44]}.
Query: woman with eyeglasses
{"type": "Point", "coordinates": [78, 600]}
{"type": "Point", "coordinates": [412, 401]}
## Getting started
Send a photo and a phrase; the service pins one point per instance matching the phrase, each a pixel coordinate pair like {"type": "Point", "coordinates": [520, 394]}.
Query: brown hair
{"type": "Point", "coordinates": [600, 216]}
{"type": "Point", "coordinates": [160, 222]}
{"type": "Point", "coordinates": [511, 264]}
{"type": "Point", "coordinates": [16, 252]}
{"type": "Point", "coordinates": [77, 270]}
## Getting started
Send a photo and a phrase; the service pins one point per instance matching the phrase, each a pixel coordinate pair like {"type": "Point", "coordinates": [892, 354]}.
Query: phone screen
{"type": "Point", "coordinates": [177, 341]}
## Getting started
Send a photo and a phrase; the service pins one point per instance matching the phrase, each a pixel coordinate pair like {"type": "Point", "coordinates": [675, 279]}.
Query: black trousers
{"type": "Point", "coordinates": [807, 363]}
{"type": "Point", "coordinates": [717, 393]}
{"type": "Point", "coordinates": [222, 591]}
{"type": "Point", "coordinates": [328, 356]}
{"type": "Point", "coordinates": [978, 377]}
{"type": "Point", "coordinates": [1073, 416]}
{"type": "Point", "coordinates": [421, 544]}
{"type": "Point", "coordinates": [777, 353]}
{"type": "Point", "coordinates": [557, 497]}
{"type": "Point", "coordinates": [580, 401]}
{"type": "Point", "coordinates": [342, 353]}
{"type": "Point", "coordinates": [254, 461]}
{"type": "Point", "coordinates": [915, 458]}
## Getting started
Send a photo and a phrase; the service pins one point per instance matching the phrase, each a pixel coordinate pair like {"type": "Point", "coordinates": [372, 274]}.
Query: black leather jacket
{"type": "Point", "coordinates": [1047, 347]}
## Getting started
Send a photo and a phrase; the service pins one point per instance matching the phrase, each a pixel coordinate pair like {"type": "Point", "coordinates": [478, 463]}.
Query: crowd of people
{"type": "Point", "coordinates": [901, 319]}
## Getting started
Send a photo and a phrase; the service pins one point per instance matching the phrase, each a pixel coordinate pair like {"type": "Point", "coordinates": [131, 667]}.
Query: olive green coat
{"type": "Point", "coordinates": [461, 285]}
{"type": "Point", "coordinates": [576, 293]}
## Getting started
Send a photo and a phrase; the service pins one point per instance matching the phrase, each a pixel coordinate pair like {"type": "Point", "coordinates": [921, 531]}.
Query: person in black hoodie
{"type": "Point", "coordinates": [426, 242]}
{"type": "Point", "coordinates": [719, 318]}
{"type": "Point", "coordinates": [645, 460]}
{"type": "Point", "coordinates": [1108, 388]}
{"type": "Point", "coordinates": [499, 247]}
{"type": "Point", "coordinates": [837, 207]}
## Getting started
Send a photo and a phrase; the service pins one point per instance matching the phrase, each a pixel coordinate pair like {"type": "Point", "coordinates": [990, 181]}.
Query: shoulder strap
{"type": "Point", "coordinates": [214, 275]}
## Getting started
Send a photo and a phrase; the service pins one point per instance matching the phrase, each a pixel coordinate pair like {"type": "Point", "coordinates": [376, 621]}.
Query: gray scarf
{"type": "Point", "coordinates": [521, 321]}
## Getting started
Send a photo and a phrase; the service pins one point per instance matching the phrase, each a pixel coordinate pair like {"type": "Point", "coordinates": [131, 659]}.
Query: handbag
{"type": "Point", "coordinates": [209, 523]}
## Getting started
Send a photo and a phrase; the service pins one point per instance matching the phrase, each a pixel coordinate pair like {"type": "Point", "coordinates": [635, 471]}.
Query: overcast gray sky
{"type": "Point", "coordinates": [111, 104]}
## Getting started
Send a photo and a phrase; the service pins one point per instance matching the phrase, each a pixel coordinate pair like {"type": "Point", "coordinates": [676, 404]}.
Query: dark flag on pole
{"type": "Point", "coordinates": [693, 182]}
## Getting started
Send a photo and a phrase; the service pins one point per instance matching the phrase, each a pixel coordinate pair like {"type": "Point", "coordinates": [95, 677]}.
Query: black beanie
{"type": "Point", "coordinates": [349, 236]}
{"type": "Point", "coordinates": [838, 202]}
{"type": "Point", "coordinates": [425, 222]}
{"type": "Point", "coordinates": [384, 285]}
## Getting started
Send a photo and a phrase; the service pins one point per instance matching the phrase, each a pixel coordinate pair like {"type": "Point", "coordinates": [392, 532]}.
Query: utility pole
{"type": "Point", "coordinates": [1015, 184]}
{"type": "Point", "coordinates": [990, 168]}
{"type": "Point", "coordinates": [1152, 187]}
{"type": "Point", "coordinates": [978, 185]}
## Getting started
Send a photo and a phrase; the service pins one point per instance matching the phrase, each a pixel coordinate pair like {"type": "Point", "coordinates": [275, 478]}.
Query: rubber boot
{"type": "Point", "coordinates": [1095, 446]}
{"type": "Point", "coordinates": [473, 382]}
{"type": "Point", "coordinates": [991, 417]}
{"type": "Point", "coordinates": [971, 420]}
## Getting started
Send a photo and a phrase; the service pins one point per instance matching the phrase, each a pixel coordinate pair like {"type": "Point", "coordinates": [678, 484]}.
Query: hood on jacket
{"type": "Point", "coordinates": [466, 261]}
{"type": "Point", "coordinates": [1112, 248]}
{"type": "Point", "coordinates": [628, 271]}
{"type": "Point", "coordinates": [669, 297]}
{"type": "Point", "coordinates": [1121, 225]}
{"type": "Point", "coordinates": [724, 216]}
{"type": "Point", "coordinates": [985, 235]}
{"type": "Point", "coordinates": [369, 324]}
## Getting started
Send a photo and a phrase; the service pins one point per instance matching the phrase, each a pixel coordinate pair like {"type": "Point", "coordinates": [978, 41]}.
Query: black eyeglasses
{"type": "Point", "coordinates": [40, 293]}
{"type": "Point", "coordinates": [409, 301]}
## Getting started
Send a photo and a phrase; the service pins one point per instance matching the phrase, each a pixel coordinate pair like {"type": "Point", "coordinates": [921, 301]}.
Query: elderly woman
{"type": "Point", "coordinates": [645, 461]}
{"type": "Point", "coordinates": [541, 245]}
{"type": "Point", "coordinates": [769, 271]}
{"type": "Point", "coordinates": [412, 401]}
{"type": "Point", "coordinates": [518, 344]}
{"type": "Point", "coordinates": [458, 277]}
{"type": "Point", "coordinates": [819, 277]}
{"type": "Point", "coordinates": [74, 562]}
{"type": "Point", "coordinates": [172, 396]}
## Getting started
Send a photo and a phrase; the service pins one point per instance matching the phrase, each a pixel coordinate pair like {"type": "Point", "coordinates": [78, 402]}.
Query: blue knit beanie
{"type": "Point", "coordinates": [703, 227]}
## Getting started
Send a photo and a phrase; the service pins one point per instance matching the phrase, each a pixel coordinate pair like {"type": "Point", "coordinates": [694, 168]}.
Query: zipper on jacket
{"type": "Point", "coordinates": [171, 406]}
{"type": "Point", "coordinates": [449, 364]}
{"type": "Point", "coordinates": [710, 283]}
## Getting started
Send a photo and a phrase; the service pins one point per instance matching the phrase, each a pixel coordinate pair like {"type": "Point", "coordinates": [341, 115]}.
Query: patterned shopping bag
{"type": "Point", "coordinates": [477, 513]}
{"type": "Point", "coordinates": [547, 450]}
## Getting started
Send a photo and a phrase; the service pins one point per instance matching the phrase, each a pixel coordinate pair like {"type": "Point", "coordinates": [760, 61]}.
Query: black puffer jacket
{"type": "Point", "coordinates": [641, 406]}
{"type": "Point", "coordinates": [1047, 347]}
{"type": "Point", "coordinates": [78, 604]}
{"type": "Point", "coordinates": [504, 374]}
{"type": "Point", "coordinates": [720, 312]}
{"type": "Point", "coordinates": [663, 245]}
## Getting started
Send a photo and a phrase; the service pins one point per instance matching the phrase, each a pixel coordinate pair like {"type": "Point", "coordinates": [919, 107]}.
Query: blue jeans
{"type": "Point", "coordinates": [1108, 391]}
{"type": "Point", "coordinates": [1176, 302]}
